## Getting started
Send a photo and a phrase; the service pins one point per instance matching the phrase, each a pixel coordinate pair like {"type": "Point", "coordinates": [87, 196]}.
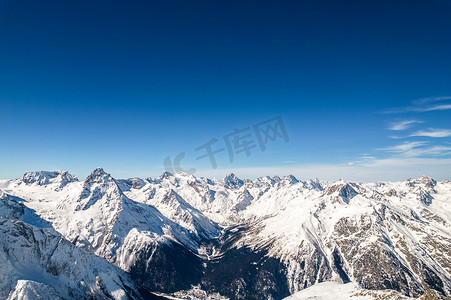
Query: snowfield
{"type": "Point", "coordinates": [340, 291]}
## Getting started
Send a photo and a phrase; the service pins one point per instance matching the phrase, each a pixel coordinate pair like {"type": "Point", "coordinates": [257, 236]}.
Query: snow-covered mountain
{"type": "Point", "coordinates": [38, 263]}
{"type": "Point", "coordinates": [243, 239]}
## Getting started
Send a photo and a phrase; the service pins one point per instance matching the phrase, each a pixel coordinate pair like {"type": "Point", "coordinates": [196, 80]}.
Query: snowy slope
{"type": "Point", "coordinates": [339, 291]}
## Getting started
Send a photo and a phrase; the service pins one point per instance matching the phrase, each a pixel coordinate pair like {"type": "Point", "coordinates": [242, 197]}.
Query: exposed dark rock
{"type": "Point", "coordinates": [339, 265]}
{"type": "Point", "coordinates": [166, 267]}
{"type": "Point", "coordinates": [246, 274]}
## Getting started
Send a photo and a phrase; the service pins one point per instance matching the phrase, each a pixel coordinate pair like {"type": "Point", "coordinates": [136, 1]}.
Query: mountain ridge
{"type": "Point", "coordinates": [178, 231]}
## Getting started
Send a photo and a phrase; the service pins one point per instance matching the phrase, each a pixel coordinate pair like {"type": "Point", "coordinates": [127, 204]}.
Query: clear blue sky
{"type": "Point", "coordinates": [363, 87]}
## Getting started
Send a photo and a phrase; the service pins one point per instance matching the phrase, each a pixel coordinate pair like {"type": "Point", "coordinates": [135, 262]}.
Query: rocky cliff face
{"type": "Point", "coordinates": [242, 239]}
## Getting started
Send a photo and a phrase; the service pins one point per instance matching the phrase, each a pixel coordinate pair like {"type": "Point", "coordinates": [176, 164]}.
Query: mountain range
{"type": "Point", "coordinates": [178, 236]}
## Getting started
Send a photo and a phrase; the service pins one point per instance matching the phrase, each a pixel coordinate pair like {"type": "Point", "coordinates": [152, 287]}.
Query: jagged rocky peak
{"type": "Point", "coordinates": [231, 181]}
{"type": "Point", "coordinates": [97, 175]}
{"type": "Point", "coordinates": [276, 178]}
{"type": "Point", "coordinates": [290, 179]}
{"type": "Point", "coordinates": [10, 208]}
{"type": "Point", "coordinates": [47, 177]}
{"type": "Point", "coordinates": [166, 175]}
{"type": "Point", "coordinates": [335, 187]}
{"type": "Point", "coordinates": [165, 178]}
{"type": "Point", "coordinates": [265, 180]}
{"type": "Point", "coordinates": [348, 192]}
{"type": "Point", "coordinates": [427, 181]}
{"type": "Point", "coordinates": [344, 189]}
{"type": "Point", "coordinates": [97, 185]}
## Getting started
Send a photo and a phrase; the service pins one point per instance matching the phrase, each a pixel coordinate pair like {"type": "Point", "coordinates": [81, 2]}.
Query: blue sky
{"type": "Point", "coordinates": [363, 88]}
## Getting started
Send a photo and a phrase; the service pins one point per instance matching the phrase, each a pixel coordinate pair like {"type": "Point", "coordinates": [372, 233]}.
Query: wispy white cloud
{"type": "Point", "coordinates": [407, 146]}
{"type": "Point", "coordinates": [416, 149]}
{"type": "Point", "coordinates": [396, 137]}
{"type": "Point", "coordinates": [367, 157]}
{"type": "Point", "coordinates": [403, 125]}
{"type": "Point", "coordinates": [429, 151]}
{"type": "Point", "coordinates": [433, 132]}
{"type": "Point", "coordinates": [432, 108]}
{"type": "Point", "coordinates": [430, 100]}
{"type": "Point", "coordinates": [437, 150]}
{"type": "Point", "coordinates": [423, 105]}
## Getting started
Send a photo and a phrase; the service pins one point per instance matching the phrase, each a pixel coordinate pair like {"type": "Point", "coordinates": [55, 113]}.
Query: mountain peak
{"type": "Point", "coordinates": [166, 175]}
{"type": "Point", "coordinates": [291, 179]}
{"type": "Point", "coordinates": [98, 175]}
{"type": "Point", "coordinates": [47, 177]}
{"type": "Point", "coordinates": [230, 175]}
{"type": "Point", "coordinates": [232, 181]}
{"type": "Point", "coordinates": [424, 179]}
{"type": "Point", "coordinates": [345, 190]}
{"type": "Point", "coordinates": [428, 181]}
{"type": "Point", "coordinates": [98, 172]}
{"type": "Point", "coordinates": [99, 185]}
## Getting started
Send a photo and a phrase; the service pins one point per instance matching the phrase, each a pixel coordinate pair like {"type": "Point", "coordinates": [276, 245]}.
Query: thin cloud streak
{"type": "Point", "coordinates": [415, 149]}
{"type": "Point", "coordinates": [432, 108]}
{"type": "Point", "coordinates": [430, 100]}
{"type": "Point", "coordinates": [403, 125]}
{"type": "Point", "coordinates": [403, 147]}
{"type": "Point", "coordinates": [423, 105]}
{"type": "Point", "coordinates": [434, 133]}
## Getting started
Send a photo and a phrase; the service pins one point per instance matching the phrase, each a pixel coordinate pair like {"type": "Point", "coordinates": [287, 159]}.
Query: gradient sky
{"type": "Point", "coordinates": [363, 87]}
